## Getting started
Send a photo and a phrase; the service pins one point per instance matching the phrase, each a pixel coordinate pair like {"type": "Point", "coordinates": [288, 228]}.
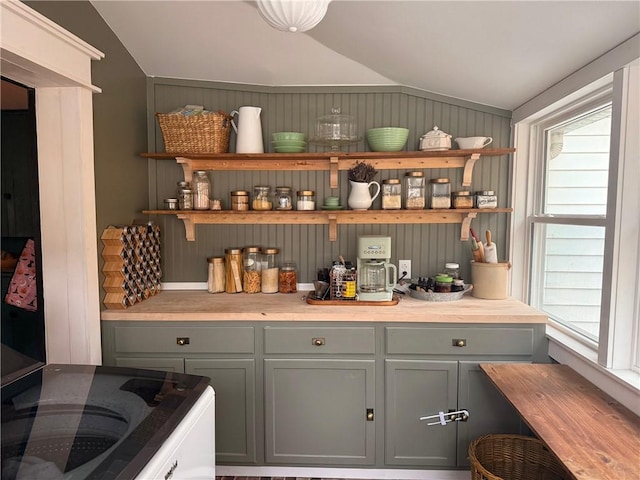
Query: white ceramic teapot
{"type": "Point", "coordinates": [435, 140]}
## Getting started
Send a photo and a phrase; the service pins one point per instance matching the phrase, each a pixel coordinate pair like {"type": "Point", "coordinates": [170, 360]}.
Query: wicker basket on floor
{"type": "Point", "coordinates": [204, 133]}
{"type": "Point", "coordinates": [513, 457]}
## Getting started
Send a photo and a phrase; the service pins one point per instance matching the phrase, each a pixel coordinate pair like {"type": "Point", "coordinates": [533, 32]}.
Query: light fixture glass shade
{"type": "Point", "coordinates": [293, 15]}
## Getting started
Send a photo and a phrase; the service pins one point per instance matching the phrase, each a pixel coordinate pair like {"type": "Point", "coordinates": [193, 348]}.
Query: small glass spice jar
{"type": "Point", "coordinates": [486, 199]}
{"type": "Point", "coordinates": [251, 280]}
{"type": "Point", "coordinates": [201, 186]}
{"type": "Point", "coordinates": [414, 198]}
{"type": "Point", "coordinates": [261, 200]}
{"type": "Point", "coordinates": [170, 203]}
{"type": "Point", "coordinates": [443, 284]}
{"type": "Point", "coordinates": [440, 193]}
{"type": "Point", "coordinates": [457, 285]}
{"type": "Point", "coordinates": [391, 194]}
{"type": "Point", "coordinates": [282, 199]}
{"type": "Point", "coordinates": [216, 279]}
{"type": "Point", "coordinates": [306, 200]}
{"type": "Point", "coordinates": [269, 270]}
{"type": "Point", "coordinates": [240, 200]}
{"type": "Point", "coordinates": [185, 199]}
{"type": "Point", "coordinates": [462, 199]}
{"type": "Point", "coordinates": [452, 269]}
{"type": "Point", "coordinates": [288, 278]}
{"type": "Point", "coordinates": [233, 270]}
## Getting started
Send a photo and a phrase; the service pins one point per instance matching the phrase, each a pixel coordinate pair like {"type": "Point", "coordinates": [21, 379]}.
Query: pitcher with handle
{"type": "Point", "coordinates": [248, 130]}
{"type": "Point", "coordinates": [360, 196]}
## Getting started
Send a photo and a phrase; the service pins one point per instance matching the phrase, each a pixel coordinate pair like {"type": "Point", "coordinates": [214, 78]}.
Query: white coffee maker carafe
{"type": "Point", "coordinates": [248, 130]}
{"type": "Point", "coordinates": [376, 275]}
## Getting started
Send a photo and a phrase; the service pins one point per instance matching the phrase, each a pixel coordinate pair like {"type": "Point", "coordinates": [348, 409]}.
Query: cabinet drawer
{"type": "Point", "coordinates": [442, 341]}
{"type": "Point", "coordinates": [187, 339]}
{"type": "Point", "coordinates": [319, 340]}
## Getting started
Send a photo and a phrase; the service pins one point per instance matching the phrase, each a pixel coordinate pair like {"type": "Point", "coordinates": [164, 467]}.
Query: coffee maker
{"type": "Point", "coordinates": [376, 275]}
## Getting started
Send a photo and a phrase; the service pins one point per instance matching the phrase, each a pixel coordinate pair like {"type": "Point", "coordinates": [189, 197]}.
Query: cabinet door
{"type": "Point", "coordinates": [233, 381]}
{"type": "Point", "coordinates": [316, 411]}
{"type": "Point", "coordinates": [413, 389]}
{"type": "Point", "coordinates": [166, 364]}
{"type": "Point", "coordinates": [489, 411]}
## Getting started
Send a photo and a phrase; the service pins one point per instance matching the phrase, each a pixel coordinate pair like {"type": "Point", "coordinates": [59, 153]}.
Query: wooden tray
{"type": "Point", "coordinates": [312, 300]}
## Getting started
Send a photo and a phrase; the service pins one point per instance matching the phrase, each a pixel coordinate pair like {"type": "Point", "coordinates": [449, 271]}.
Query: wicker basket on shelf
{"type": "Point", "coordinates": [513, 457]}
{"type": "Point", "coordinates": [204, 133]}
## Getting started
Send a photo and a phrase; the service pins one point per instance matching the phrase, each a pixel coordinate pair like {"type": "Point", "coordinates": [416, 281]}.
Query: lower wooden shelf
{"type": "Point", "coordinates": [333, 218]}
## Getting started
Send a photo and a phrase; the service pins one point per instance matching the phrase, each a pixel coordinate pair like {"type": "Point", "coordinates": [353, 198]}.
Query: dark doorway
{"type": "Point", "coordinates": [23, 331]}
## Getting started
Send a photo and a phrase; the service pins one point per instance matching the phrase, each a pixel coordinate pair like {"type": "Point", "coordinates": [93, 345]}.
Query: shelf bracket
{"type": "Point", "coordinates": [187, 168]}
{"type": "Point", "coordinates": [333, 227]}
{"type": "Point", "coordinates": [333, 172]}
{"type": "Point", "coordinates": [466, 225]}
{"type": "Point", "coordinates": [468, 169]}
{"type": "Point", "coordinates": [189, 227]}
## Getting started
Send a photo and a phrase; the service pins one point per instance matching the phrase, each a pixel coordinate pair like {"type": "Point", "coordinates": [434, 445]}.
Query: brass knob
{"type": "Point", "coordinates": [459, 342]}
{"type": "Point", "coordinates": [318, 342]}
{"type": "Point", "coordinates": [182, 341]}
{"type": "Point", "coordinates": [370, 416]}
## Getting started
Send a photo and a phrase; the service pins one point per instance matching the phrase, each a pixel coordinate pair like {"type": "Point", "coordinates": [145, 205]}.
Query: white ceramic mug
{"type": "Point", "coordinates": [468, 143]}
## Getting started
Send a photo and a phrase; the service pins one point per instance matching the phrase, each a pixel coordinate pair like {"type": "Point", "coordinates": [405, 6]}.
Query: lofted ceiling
{"type": "Point", "coordinates": [496, 53]}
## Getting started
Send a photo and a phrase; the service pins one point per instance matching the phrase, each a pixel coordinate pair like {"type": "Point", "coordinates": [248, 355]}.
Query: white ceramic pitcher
{"type": "Point", "coordinates": [360, 197]}
{"type": "Point", "coordinates": [248, 130]}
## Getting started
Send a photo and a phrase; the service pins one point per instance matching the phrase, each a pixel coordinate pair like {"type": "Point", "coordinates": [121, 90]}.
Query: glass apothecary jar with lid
{"type": "Point", "coordinates": [462, 199]}
{"type": "Point", "coordinates": [391, 194]}
{"type": "Point", "coordinates": [269, 270]}
{"type": "Point", "coordinates": [440, 193]}
{"type": "Point", "coordinates": [288, 278]}
{"type": "Point", "coordinates": [239, 200]}
{"type": "Point", "coordinates": [306, 200]}
{"type": "Point", "coordinates": [261, 199]}
{"type": "Point", "coordinates": [252, 281]}
{"type": "Point", "coordinates": [414, 191]}
{"type": "Point", "coordinates": [282, 199]}
{"type": "Point", "coordinates": [201, 187]}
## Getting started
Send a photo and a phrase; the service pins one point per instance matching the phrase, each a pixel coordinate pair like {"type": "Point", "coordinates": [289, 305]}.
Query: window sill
{"type": "Point", "coordinates": [622, 385]}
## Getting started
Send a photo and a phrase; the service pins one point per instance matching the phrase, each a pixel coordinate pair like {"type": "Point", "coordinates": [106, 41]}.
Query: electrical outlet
{"type": "Point", "coordinates": [404, 266]}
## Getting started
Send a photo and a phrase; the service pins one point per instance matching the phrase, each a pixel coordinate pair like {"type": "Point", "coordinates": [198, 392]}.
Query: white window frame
{"type": "Point", "coordinates": [612, 364]}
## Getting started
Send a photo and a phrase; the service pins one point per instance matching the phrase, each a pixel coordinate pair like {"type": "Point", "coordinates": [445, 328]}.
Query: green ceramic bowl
{"type": "Point", "coordinates": [387, 139]}
{"type": "Point", "coordinates": [296, 136]}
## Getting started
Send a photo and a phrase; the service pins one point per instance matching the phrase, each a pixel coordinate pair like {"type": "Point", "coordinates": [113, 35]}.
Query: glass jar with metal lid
{"type": "Point", "coordinates": [440, 193]}
{"type": "Point", "coordinates": [233, 270]}
{"type": "Point", "coordinates": [288, 278]}
{"type": "Point", "coordinates": [201, 186]}
{"type": "Point", "coordinates": [261, 200]}
{"type": "Point", "coordinates": [282, 199]}
{"type": "Point", "coordinates": [216, 276]}
{"type": "Point", "coordinates": [239, 200]}
{"type": "Point", "coordinates": [414, 197]}
{"type": "Point", "coordinates": [269, 270]}
{"type": "Point", "coordinates": [462, 199]}
{"type": "Point", "coordinates": [306, 200]}
{"type": "Point", "coordinates": [391, 194]}
{"type": "Point", "coordinates": [251, 280]}
{"type": "Point", "coordinates": [486, 199]}
{"type": "Point", "coordinates": [185, 199]}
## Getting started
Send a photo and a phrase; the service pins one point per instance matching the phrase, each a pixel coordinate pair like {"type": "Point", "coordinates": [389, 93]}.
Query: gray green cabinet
{"type": "Point", "coordinates": [224, 353]}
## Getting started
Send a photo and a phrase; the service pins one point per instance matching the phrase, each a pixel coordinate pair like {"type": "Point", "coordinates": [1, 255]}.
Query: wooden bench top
{"type": "Point", "coordinates": [594, 436]}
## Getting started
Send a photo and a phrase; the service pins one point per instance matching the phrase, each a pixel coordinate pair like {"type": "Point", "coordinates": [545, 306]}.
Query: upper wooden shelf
{"type": "Point", "coordinates": [332, 161]}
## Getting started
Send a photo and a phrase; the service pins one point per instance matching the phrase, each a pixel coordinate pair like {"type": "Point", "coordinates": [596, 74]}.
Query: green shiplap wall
{"type": "Point", "coordinates": [296, 109]}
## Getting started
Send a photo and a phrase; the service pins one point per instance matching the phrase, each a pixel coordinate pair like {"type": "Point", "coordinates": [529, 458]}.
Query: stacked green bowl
{"type": "Point", "coordinates": [387, 139]}
{"type": "Point", "coordinates": [288, 142]}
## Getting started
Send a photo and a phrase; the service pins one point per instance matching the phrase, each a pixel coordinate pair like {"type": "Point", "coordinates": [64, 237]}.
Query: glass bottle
{"type": "Point", "coordinates": [269, 270]}
{"type": "Point", "coordinates": [288, 278]}
{"type": "Point", "coordinates": [240, 200]}
{"type": "Point", "coordinates": [185, 199]}
{"type": "Point", "coordinates": [414, 197]}
{"type": "Point", "coordinates": [252, 281]}
{"type": "Point", "coordinates": [283, 200]}
{"type": "Point", "coordinates": [233, 270]}
{"type": "Point", "coordinates": [216, 279]}
{"type": "Point", "coordinates": [440, 193]}
{"type": "Point", "coordinates": [391, 194]}
{"type": "Point", "coordinates": [261, 199]}
{"type": "Point", "coordinates": [452, 269]}
{"type": "Point", "coordinates": [201, 186]}
{"type": "Point", "coordinates": [306, 200]}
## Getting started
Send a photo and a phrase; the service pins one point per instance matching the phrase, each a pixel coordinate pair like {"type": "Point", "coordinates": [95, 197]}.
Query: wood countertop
{"type": "Point", "coordinates": [199, 305]}
{"type": "Point", "coordinates": [594, 436]}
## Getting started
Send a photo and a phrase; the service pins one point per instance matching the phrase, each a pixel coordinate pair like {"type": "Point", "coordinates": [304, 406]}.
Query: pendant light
{"type": "Point", "coordinates": [293, 15]}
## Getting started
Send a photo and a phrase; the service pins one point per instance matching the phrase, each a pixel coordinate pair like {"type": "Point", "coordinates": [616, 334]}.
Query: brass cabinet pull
{"type": "Point", "coordinates": [369, 414]}
{"type": "Point", "coordinates": [459, 342]}
{"type": "Point", "coordinates": [318, 342]}
{"type": "Point", "coordinates": [182, 341]}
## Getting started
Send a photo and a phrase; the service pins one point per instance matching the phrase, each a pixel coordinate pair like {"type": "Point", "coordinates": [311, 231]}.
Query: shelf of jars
{"type": "Point", "coordinates": [333, 218]}
{"type": "Point", "coordinates": [334, 162]}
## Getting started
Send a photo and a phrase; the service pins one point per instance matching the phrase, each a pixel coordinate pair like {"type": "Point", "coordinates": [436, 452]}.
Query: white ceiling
{"type": "Point", "coordinates": [497, 53]}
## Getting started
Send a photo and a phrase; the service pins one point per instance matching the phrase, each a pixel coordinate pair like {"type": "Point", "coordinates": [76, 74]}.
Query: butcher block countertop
{"type": "Point", "coordinates": [594, 436]}
{"type": "Point", "coordinates": [199, 305]}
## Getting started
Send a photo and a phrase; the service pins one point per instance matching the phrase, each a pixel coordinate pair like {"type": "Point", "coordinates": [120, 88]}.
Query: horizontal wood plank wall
{"type": "Point", "coordinates": [296, 109]}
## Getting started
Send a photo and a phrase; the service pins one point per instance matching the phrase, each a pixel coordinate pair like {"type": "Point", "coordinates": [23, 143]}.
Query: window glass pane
{"type": "Point", "coordinates": [567, 278]}
{"type": "Point", "coordinates": [577, 160]}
